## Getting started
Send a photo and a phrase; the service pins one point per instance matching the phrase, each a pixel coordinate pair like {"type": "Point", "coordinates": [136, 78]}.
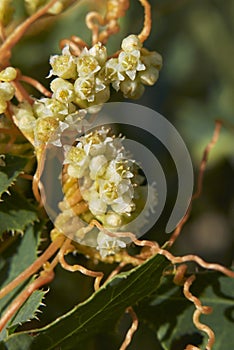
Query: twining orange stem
{"type": "Point", "coordinates": [131, 330]}
{"type": "Point", "coordinates": [97, 275]}
{"type": "Point", "coordinates": [44, 278]}
{"type": "Point", "coordinates": [198, 191]}
{"type": "Point", "coordinates": [53, 247]}
{"type": "Point", "coordinates": [16, 35]}
{"type": "Point", "coordinates": [147, 21]}
{"type": "Point", "coordinates": [200, 309]}
{"type": "Point", "coordinates": [36, 84]}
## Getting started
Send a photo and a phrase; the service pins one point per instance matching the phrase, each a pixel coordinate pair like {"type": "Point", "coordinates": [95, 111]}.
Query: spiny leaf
{"type": "Point", "coordinates": [15, 213]}
{"type": "Point", "coordinates": [100, 311]}
{"type": "Point", "coordinates": [14, 261]}
{"type": "Point", "coordinates": [169, 314]}
{"type": "Point", "coordinates": [10, 168]}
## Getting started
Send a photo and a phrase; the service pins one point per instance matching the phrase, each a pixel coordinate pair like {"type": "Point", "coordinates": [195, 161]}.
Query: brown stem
{"type": "Point", "coordinates": [36, 84]}
{"type": "Point", "coordinates": [116, 271]}
{"type": "Point", "coordinates": [90, 18]}
{"type": "Point", "coordinates": [147, 21]}
{"type": "Point", "coordinates": [202, 168]}
{"type": "Point", "coordinates": [15, 36]}
{"type": "Point", "coordinates": [44, 278]}
{"type": "Point", "coordinates": [130, 235]}
{"type": "Point", "coordinates": [131, 330]}
{"type": "Point", "coordinates": [53, 247]}
{"type": "Point", "coordinates": [20, 93]}
{"type": "Point", "coordinates": [2, 32]}
{"type": "Point", "coordinates": [186, 258]}
{"type": "Point", "coordinates": [63, 251]}
{"type": "Point", "coordinates": [36, 176]}
{"type": "Point", "coordinates": [200, 309]}
{"type": "Point", "coordinates": [73, 46]}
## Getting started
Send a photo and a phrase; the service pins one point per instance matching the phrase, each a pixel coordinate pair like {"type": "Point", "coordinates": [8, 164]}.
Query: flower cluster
{"type": "Point", "coordinates": [78, 77]}
{"type": "Point", "coordinates": [85, 80]}
{"type": "Point", "coordinates": [106, 181]}
{"type": "Point", "coordinates": [41, 122]}
{"type": "Point", "coordinates": [133, 68]}
{"type": "Point", "coordinates": [7, 91]}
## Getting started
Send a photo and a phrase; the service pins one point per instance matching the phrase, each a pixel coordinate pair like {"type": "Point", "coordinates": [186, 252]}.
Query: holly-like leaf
{"type": "Point", "coordinates": [15, 260]}
{"type": "Point", "coordinates": [99, 312]}
{"type": "Point", "coordinates": [10, 168]}
{"type": "Point", "coordinates": [169, 314]}
{"type": "Point", "coordinates": [15, 213]}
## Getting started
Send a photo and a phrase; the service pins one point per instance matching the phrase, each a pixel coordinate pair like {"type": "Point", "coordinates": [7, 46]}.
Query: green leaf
{"type": "Point", "coordinates": [15, 213]}
{"type": "Point", "coordinates": [169, 314]}
{"type": "Point", "coordinates": [100, 311]}
{"type": "Point", "coordinates": [10, 168]}
{"type": "Point", "coordinates": [14, 261]}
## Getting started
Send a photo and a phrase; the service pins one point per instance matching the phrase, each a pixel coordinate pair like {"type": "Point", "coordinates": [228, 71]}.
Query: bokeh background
{"type": "Point", "coordinates": [195, 87]}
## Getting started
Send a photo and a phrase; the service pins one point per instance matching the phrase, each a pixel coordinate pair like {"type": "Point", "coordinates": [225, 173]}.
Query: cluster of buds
{"type": "Point", "coordinates": [7, 90]}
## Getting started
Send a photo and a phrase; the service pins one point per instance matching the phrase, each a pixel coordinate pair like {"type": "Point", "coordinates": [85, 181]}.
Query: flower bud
{"type": "Point", "coordinates": [149, 76]}
{"type": "Point", "coordinates": [63, 90]}
{"type": "Point", "coordinates": [3, 105]}
{"type": "Point", "coordinates": [132, 89]}
{"type": "Point", "coordinates": [64, 66]}
{"type": "Point", "coordinates": [7, 91]}
{"type": "Point", "coordinates": [99, 52]}
{"type": "Point", "coordinates": [8, 74]}
{"type": "Point", "coordinates": [131, 43]}
{"type": "Point", "coordinates": [45, 128]}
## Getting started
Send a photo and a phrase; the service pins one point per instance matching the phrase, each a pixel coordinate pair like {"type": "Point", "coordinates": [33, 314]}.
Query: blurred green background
{"type": "Point", "coordinates": [195, 87]}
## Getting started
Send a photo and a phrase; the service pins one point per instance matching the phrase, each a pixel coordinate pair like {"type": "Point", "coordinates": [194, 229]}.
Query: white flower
{"type": "Point", "coordinates": [24, 117]}
{"type": "Point", "coordinates": [50, 107]}
{"type": "Point", "coordinates": [64, 66]}
{"type": "Point", "coordinates": [87, 64]}
{"type": "Point", "coordinates": [87, 87]}
{"type": "Point", "coordinates": [108, 245]}
{"type": "Point", "coordinates": [63, 90]}
{"type": "Point", "coordinates": [99, 52]}
{"type": "Point", "coordinates": [78, 160]}
{"type": "Point", "coordinates": [112, 72]}
{"type": "Point", "coordinates": [97, 166]}
{"type": "Point", "coordinates": [130, 63]}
